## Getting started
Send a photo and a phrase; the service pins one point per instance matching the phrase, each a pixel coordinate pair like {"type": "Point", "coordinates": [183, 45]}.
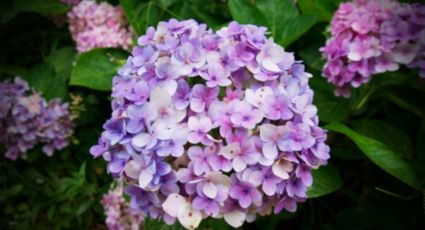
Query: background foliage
{"type": "Point", "coordinates": [375, 179]}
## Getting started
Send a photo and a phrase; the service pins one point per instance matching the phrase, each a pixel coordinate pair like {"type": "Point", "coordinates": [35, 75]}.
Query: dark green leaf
{"type": "Point", "coordinates": [61, 60]}
{"type": "Point", "coordinates": [312, 58]}
{"type": "Point", "coordinates": [326, 180]}
{"type": "Point", "coordinates": [386, 133]}
{"type": "Point", "coordinates": [96, 68]}
{"type": "Point", "coordinates": [43, 78]}
{"type": "Point", "coordinates": [407, 98]}
{"type": "Point", "coordinates": [150, 223]}
{"type": "Point", "coordinates": [141, 15]}
{"type": "Point", "coordinates": [331, 108]}
{"type": "Point", "coordinates": [284, 20]}
{"type": "Point", "coordinates": [45, 7]}
{"type": "Point", "coordinates": [380, 154]}
{"type": "Point", "coordinates": [9, 9]}
{"type": "Point", "coordinates": [15, 189]}
{"type": "Point", "coordinates": [295, 27]}
{"type": "Point", "coordinates": [85, 205]}
{"type": "Point", "coordinates": [322, 9]}
{"type": "Point", "coordinates": [246, 13]}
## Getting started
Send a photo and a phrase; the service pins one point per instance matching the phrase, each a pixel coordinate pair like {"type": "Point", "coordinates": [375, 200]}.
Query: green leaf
{"type": "Point", "coordinates": [326, 180]}
{"type": "Point", "coordinates": [141, 15]}
{"type": "Point", "coordinates": [61, 60]}
{"type": "Point", "coordinates": [322, 9]}
{"type": "Point", "coordinates": [389, 135]}
{"type": "Point", "coordinates": [150, 223]}
{"type": "Point", "coordinates": [330, 108]}
{"type": "Point", "coordinates": [96, 68]}
{"type": "Point", "coordinates": [85, 205]}
{"type": "Point", "coordinates": [8, 9]}
{"type": "Point", "coordinates": [380, 154]}
{"type": "Point", "coordinates": [50, 77]}
{"type": "Point", "coordinates": [312, 58]}
{"type": "Point", "coordinates": [14, 190]}
{"type": "Point", "coordinates": [246, 13]}
{"type": "Point", "coordinates": [45, 7]}
{"type": "Point", "coordinates": [284, 20]}
{"type": "Point", "coordinates": [407, 98]}
{"type": "Point", "coordinates": [294, 28]}
{"type": "Point", "coordinates": [42, 77]}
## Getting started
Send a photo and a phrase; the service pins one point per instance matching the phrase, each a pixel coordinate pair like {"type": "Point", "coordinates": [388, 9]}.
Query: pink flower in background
{"type": "Point", "coordinates": [95, 25]}
{"type": "Point", "coordinates": [370, 37]}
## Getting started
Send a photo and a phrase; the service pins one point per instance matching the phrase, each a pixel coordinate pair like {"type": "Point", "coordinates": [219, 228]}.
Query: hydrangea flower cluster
{"type": "Point", "coordinates": [373, 36]}
{"type": "Point", "coordinates": [26, 120]}
{"type": "Point", "coordinates": [211, 124]}
{"type": "Point", "coordinates": [95, 25]}
{"type": "Point", "coordinates": [119, 216]}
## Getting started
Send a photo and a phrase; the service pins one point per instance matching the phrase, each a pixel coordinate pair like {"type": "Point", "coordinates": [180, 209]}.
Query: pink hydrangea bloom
{"type": "Point", "coordinates": [370, 37]}
{"type": "Point", "coordinates": [225, 127]}
{"type": "Point", "coordinates": [94, 25]}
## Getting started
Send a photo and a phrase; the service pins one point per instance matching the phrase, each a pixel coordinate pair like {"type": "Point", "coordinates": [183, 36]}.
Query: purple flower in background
{"type": "Point", "coordinates": [27, 120]}
{"type": "Point", "coordinates": [211, 124]}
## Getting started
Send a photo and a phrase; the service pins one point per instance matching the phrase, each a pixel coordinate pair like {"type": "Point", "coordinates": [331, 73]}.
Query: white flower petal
{"type": "Point", "coordinates": [235, 218]}
{"type": "Point", "coordinates": [210, 190]}
{"type": "Point", "coordinates": [189, 218]}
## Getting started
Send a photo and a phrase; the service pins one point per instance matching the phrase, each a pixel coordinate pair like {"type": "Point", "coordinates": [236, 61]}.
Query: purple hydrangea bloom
{"type": "Point", "coordinates": [27, 119]}
{"type": "Point", "coordinates": [370, 37]}
{"type": "Point", "coordinates": [211, 124]}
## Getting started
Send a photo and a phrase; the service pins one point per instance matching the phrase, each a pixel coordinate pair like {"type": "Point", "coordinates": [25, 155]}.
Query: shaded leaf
{"type": "Point", "coordinates": [379, 153]}
{"type": "Point", "coordinates": [326, 180]}
{"type": "Point", "coordinates": [43, 78]}
{"type": "Point", "coordinates": [9, 9]}
{"type": "Point", "coordinates": [150, 223]}
{"type": "Point", "coordinates": [386, 133]}
{"type": "Point", "coordinates": [96, 68]}
{"type": "Point", "coordinates": [407, 98]}
{"type": "Point", "coordinates": [331, 108]}
{"type": "Point", "coordinates": [322, 9]}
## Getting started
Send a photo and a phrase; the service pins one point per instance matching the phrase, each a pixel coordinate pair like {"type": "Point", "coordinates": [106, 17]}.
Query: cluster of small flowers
{"type": "Point", "coordinates": [26, 120]}
{"type": "Point", "coordinates": [211, 124]}
{"type": "Point", "coordinates": [373, 36]}
{"type": "Point", "coordinates": [119, 216]}
{"type": "Point", "coordinates": [95, 25]}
